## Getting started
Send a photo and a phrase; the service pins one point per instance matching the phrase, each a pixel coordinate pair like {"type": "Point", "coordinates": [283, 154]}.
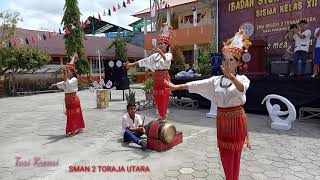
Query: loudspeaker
{"type": "Point", "coordinates": [279, 67]}
{"type": "Point", "coordinates": [115, 72]}
{"type": "Point", "coordinates": [108, 71]}
{"type": "Point", "coordinates": [309, 66]}
{"type": "Point", "coordinates": [122, 84]}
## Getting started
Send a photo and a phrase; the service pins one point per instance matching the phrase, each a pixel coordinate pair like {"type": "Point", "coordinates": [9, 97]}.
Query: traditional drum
{"type": "Point", "coordinates": [164, 131]}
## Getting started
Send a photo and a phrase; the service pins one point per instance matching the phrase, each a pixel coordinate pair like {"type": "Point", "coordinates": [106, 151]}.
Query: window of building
{"type": "Point", "coordinates": [189, 18]}
{"type": "Point", "coordinates": [55, 60]}
{"type": "Point", "coordinates": [65, 60]}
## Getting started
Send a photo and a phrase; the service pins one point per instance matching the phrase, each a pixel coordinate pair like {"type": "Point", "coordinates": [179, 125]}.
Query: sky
{"type": "Point", "coordinates": [47, 14]}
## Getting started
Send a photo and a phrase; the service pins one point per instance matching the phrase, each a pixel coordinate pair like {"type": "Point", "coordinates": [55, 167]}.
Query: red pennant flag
{"type": "Point", "coordinates": [50, 35]}
{"type": "Point", "coordinates": [177, 18]}
{"type": "Point", "coordinates": [114, 9]}
{"type": "Point", "coordinates": [44, 37]}
{"type": "Point", "coordinates": [33, 40]}
{"type": "Point", "coordinates": [128, 1]}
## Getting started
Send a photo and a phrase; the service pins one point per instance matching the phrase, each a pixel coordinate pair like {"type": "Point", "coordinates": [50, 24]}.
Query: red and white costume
{"type": "Point", "coordinates": [75, 120]}
{"type": "Point", "coordinates": [160, 66]}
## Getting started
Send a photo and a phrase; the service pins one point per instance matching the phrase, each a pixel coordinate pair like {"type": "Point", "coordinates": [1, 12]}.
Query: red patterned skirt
{"type": "Point", "coordinates": [74, 113]}
{"type": "Point", "coordinates": [161, 91]}
{"type": "Point", "coordinates": [232, 131]}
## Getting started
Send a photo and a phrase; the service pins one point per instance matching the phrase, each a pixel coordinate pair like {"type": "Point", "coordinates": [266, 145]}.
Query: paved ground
{"type": "Point", "coordinates": [33, 126]}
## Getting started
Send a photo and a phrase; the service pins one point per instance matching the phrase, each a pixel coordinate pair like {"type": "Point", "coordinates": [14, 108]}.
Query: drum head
{"type": "Point", "coordinates": [168, 132]}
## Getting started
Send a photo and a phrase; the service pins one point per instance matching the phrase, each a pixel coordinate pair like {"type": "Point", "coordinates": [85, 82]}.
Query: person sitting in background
{"type": "Point", "coordinates": [132, 127]}
{"type": "Point", "coordinates": [190, 72]}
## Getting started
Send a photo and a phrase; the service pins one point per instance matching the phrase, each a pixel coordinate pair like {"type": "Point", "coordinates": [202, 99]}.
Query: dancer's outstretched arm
{"type": "Point", "coordinates": [74, 58]}
{"type": "Point", "coordinates": [174, 87]}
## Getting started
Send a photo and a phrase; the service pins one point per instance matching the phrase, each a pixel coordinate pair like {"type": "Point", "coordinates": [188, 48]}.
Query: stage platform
{"type": "Point", "coordinates": [301, 91]}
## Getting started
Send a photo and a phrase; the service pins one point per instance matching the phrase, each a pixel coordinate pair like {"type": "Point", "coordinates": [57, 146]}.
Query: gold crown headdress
{"type": "Point", "coordinates": [237, 45]}
{"type": "Point", "coordinates": [166, 33]}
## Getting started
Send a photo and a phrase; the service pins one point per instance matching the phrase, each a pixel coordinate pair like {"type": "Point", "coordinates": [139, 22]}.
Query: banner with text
{"type": "Point", "coordinates": [271, 19]}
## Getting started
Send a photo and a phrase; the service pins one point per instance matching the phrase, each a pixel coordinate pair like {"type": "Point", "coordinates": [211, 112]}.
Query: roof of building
{"type": "Point", "coordinates": [171, 3]}
{"type": "Point", "coordinates": [55, 44]}
{"type": "Point", "coordinates": [102, 26]}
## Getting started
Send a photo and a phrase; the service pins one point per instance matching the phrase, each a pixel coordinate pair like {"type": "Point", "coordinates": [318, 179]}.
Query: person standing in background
{"type": "Point", "coordinates": [316, 61]}
{"type": "Point", "coordinates": [302, 40]}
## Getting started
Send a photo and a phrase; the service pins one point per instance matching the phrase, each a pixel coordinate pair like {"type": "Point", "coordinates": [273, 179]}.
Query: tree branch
{"type": "Point", "coordinates": [3, 71]}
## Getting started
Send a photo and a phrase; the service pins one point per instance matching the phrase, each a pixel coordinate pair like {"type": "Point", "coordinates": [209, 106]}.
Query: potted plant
{"type": "Point", "coordinates": [148, 89]}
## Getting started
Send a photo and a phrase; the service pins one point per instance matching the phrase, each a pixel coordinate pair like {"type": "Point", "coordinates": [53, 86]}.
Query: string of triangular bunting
{"type": "Point", "coordinates": [36, 37]}
{"type": "Point", "coordinates": [114, 9]}
{"type": "Point", "coordinates": [33, 39]}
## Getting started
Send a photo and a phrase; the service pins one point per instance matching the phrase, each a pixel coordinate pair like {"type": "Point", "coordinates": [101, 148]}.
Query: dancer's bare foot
{"type": "Point", "coordinates": [71, 134]}
{"type": "Point", "coordinates": [79, 131]}
{"type": "Point", "coordinates": [247, 147]}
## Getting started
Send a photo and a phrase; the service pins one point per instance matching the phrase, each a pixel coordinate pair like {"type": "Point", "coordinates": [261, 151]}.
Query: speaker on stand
{"type": "Point", "coordinates": [108, 71]}
{"type": "Point", "coordinates": [121, 76]}
{"type": "Point", "coordinates": [117, 74]}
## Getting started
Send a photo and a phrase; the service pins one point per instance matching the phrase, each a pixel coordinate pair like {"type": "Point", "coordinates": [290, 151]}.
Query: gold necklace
{"type": "Point", "coordinates": [224, 86]}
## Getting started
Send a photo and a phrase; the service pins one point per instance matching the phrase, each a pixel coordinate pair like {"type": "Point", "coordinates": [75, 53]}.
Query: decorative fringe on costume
{"type": "Point", "coordinates": [74, 113]}
{"type": "Point", "coordinates": [232, 131]}
{"type": "Point", "coordinates": [161, 92]}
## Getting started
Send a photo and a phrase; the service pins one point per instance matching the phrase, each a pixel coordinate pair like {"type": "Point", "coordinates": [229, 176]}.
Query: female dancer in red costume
{"type": "Point", "coordinates": [229, 90]}
{"type": "Point", "coordinates": [75, 120]}
{"type": "Point", "coordinates": [159, 63]}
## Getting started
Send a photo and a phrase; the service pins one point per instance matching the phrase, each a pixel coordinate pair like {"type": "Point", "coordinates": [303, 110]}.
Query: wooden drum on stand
{"type": "Point", "coordinates": [164, 131]}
